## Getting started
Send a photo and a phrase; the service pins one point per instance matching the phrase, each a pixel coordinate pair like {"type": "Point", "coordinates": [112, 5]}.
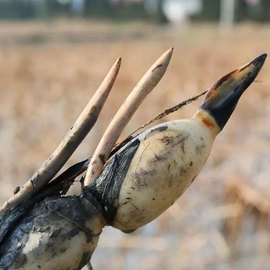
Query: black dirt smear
{"type": "Point", "coordinates": [159, 66]}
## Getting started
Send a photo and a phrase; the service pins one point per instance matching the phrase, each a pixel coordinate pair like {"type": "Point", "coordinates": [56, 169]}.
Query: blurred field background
{"type": "Point", "coordinates": [48, 71]}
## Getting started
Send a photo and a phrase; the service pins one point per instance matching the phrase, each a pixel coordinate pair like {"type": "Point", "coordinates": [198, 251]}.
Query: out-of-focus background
{"type": "Point", "coordinates": [54, 54]}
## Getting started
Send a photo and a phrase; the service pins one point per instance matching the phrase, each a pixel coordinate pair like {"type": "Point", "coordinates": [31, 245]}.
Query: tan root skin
{"type": "Point", "coordinates": [70, 142]}
{"type": "Point", "coordinates": [62, 251]}
{"type": "Point", "coordinates": [124, 114]}
{"type": "Point", "coordinates": [164, 166]}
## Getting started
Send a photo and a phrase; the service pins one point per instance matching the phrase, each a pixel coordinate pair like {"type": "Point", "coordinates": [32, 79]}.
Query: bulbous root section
{"type": "Point", "coordinates": [59, 233]}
